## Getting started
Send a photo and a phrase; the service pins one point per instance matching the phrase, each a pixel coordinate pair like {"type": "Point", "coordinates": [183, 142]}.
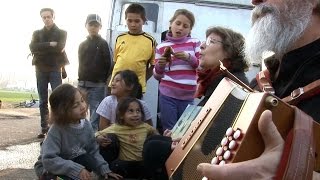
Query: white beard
{"type": "Point", "coordinates": [274, 29]}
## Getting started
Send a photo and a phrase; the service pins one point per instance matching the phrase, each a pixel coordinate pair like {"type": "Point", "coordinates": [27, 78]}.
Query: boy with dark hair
{"type": "Point", "coordinates": [49, 58]}
{"type": "Point", "coordinates": [135, 49]}
{"type": "Point", "coordinates": [94, 66]}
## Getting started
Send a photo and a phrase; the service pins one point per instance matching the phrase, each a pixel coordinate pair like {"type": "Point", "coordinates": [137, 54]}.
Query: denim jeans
{"type": "Point", "coordinates": [171, 109]}
{"type": "Point", "coordinates": [95, 96]}
{"type": "Point", "coordinates": [43, 79]}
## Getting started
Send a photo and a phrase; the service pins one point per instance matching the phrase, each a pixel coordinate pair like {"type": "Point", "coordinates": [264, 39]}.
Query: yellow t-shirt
{"type": "Point", "coordinates": [134, 52]}
{"type": "Point", "coordinates": [131, 139]}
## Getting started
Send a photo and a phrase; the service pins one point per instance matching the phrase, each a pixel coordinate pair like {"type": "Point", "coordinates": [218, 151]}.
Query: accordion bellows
{"type": "Point", "coordinates": [230, 105]}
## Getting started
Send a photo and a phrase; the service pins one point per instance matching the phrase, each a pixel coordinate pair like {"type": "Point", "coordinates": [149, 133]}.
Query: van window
{"type": "Point", "coordinates": [152, 11]}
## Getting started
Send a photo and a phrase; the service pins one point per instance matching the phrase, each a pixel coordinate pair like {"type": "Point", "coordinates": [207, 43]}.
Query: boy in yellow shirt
{"type": "Point", "coordinates": [135, 49]}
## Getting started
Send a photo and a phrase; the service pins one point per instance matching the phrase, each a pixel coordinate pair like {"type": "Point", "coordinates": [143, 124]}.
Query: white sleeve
{"type": "Point", "coordinates": [104, 109]}
{"type": "Point", "coordinates": [146, 111]}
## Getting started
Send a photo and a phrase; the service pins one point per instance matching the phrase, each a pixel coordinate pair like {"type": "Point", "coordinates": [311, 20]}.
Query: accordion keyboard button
{"type": "Point", "coordinates": [237, 134]}
{"type": "Point", "coordinates": [205, 178]}
{"type": "Point", "coordinates": [227, 155]}
{"type": "Point", "coordinates": [229, 132]}
{"type": "Point", "coordinates": [214, 160]}
{"type": "Point", "coordinates": [222, 163]}
{"type": "Point", "coordinates": [224, 141]}
{"type": "Point", "coordinates": [232, 145]}
{"type": "Point", "coordinates": [219, 151]}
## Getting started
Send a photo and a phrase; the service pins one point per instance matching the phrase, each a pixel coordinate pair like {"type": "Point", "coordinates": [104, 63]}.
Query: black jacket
{"type": "Point", "coordinates": [45, 55]}
{"type": "Point", "coordinates": [299, 68]}
{"type": "Point", "coordinates": [94, 60]}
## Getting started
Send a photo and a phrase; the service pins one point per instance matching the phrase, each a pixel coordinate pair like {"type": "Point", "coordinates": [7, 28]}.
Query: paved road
{"type": "Point", "coordinates": [19, 147]}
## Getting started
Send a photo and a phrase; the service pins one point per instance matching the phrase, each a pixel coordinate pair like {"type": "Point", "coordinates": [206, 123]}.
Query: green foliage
{"type": "Point", "coordinates": [16, 96]}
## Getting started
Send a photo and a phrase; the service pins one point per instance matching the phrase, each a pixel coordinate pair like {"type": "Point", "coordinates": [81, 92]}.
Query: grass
{"type": "Point", "coordinates": [16, 96]}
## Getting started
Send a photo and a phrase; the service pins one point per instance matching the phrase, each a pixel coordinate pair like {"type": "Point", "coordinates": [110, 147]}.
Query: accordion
{"type": "Point", "coordinates": [230, 108]}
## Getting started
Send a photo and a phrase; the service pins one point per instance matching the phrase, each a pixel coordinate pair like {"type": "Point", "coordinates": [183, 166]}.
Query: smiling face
{"type": "Point", "coordinates": [78, 109]}
{"type": "Point", "coordinates": [119, 87]}
{"type": "Point", "coordinates": [133, 115]}
{"type": "Point", "coordinates": [181, 26]}
{"type": "Point", "coordinates": [211, 52]}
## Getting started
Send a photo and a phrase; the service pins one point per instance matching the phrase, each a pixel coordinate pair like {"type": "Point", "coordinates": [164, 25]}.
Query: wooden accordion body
{"type": "Point", "coordinates": [230, 105]}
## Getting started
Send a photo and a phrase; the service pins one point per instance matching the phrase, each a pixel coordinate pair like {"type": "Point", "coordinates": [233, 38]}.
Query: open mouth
{"type": "Point", "coordinates": [135, 120]}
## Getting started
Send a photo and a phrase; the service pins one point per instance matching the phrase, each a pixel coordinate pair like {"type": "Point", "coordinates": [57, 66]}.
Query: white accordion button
{"type": "Point", "coordinates": [222, 163]}
{"type": "Point", "coordinates": [214, 160]}
{"type": "Point", "coordinates": [219, 151]}
{"type": "Point", "coordinates": [224, 141]}
{"type": "Point", "coordinates": [204, 178]}
{"type": "Point", "coordinates": [232, 144]}
{"type": "Point", "coordinates": [229, 131]}
{"type": "Point", "coordinates": [226, 155]}
{"type": "Point", "coordinates": [237, 134]}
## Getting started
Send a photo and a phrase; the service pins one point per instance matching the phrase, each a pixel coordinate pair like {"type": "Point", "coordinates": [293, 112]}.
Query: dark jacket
{"type": "Point", "coordinates": [94, 60]}
{"type": "Point", "coordinates": [299, 68]}
{"type": "Point", "coordinates": [44, 55]}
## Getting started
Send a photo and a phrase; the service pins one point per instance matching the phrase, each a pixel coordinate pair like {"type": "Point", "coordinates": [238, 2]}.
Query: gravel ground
{"type": "Point", "coordinates": [19, 147]}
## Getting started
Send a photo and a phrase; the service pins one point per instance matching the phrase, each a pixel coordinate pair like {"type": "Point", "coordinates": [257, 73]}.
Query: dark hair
{"type": "Point", "coordinates": [123, 106]}
{"type": "Point", "coordinates": [233, 44]}
{"type": "Point", "coordinates": [131, 79]}
{"type": "Point", "coordinates": [137, 9]}
{"type": "Point", "coordinates": [61, 101]}
{"type": "Point", "coordinates": [47, 9]}
{"type": "Point", "coordinates": [186, 13]}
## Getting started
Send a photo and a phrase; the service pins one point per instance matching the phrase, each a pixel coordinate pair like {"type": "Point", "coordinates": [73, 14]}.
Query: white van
{"type": "Point", "coordinates": [234, 14]}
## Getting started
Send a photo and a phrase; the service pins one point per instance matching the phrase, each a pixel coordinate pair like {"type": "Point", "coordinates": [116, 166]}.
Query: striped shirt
{"type": "Point", "coordinates": [178, 81]}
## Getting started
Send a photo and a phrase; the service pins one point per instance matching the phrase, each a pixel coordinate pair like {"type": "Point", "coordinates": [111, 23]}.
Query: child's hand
{"type": "Point", "coordinates": [84, 174]}
{"type": "Point", "coordinates": [162, 61]}
{"type": "Point", "coordinates": [168, 51]}
{"type": "Point", "coordinates": [103, 140]}
{"type": "Point", "coordinates": [113, 175]}
{"type": "Point", "coordinates": [182, 55]}
{"type": "Point", "coordinates": [167, 133]}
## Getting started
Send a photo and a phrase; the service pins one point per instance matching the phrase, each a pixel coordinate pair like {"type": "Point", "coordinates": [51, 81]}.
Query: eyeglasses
{"type": "Point", "coordinates": [212, 41]}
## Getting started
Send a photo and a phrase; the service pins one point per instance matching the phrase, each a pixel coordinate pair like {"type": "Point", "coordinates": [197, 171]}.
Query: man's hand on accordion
{"type": "Point", "coordinates": [263, 167]}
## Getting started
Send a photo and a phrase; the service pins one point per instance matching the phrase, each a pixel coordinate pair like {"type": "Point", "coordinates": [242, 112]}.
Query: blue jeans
{"type": "Point", "coordinates": [95, 96]}
{"type": "Point", "coordinates": [171, 109]}
{"type": "Point", "coordinates": [43, 79]}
